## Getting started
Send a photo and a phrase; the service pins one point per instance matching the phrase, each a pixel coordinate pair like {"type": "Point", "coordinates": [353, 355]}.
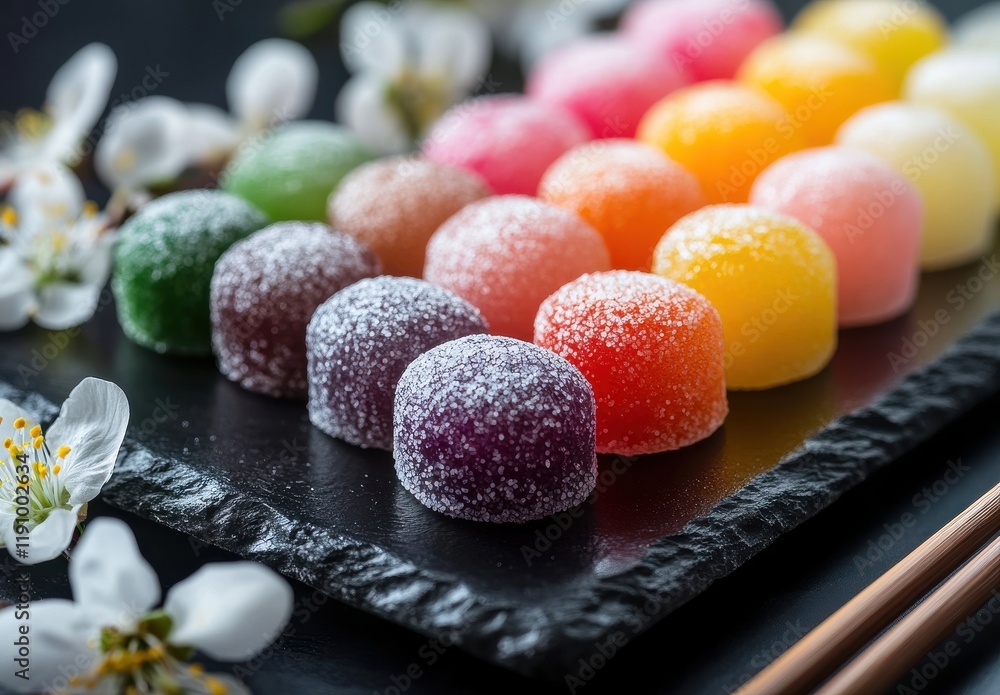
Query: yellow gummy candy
{"type": "Point", "coordinates": [773, 282]}
{"type": "Point", "coordinates": [895, 33]}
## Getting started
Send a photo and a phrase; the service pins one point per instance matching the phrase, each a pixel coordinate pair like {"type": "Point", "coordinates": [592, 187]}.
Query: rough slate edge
{"type": "Point", "coordinates": [548, 640]}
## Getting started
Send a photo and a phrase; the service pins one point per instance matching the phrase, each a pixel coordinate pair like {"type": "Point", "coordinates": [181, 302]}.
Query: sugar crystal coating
{"type": "Point", "coordinates": [724, 133]}
{"type": "Point", "coordinates": [290, 172]}
{"type": "Point", "coordinates": [509, 140]}
{"type": "Point", "coordinates": [821, 83]}
{"type": "Point", "coordinates": [895, 33]}
{"type": "Point", "coordinates": [629, 191]}
{"type": "Point", "coordinates": [508, 253]}
{"type": "Point", "coordinates": [946, 163]}
{"type": "Point", "coordinates": [164, 259]}
{"type": "Point", "coordinates": [395, 204]}
{"type": "Point", "coordinates": [264, 291]}
{"type": "Point", "coordinates": [707, 38]}
{"type": "Point", "coordinates": [652, 349]}
{"type": "Point", "coordinates": [361, 339]}
{"type": "Point", "coordinates": [773, 282]}
{"type": "Point", "coordinates": [495, 429]}
{"type": "Point", "coordinates": [871, 217]}
{"type": "Point", "coordinates": [605, 80]}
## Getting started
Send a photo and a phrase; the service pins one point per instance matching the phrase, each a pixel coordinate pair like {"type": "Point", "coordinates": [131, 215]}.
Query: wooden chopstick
{"type": "Point", "coordinates": [905, 643]}
{"type": "Point", "coordinates": [817, 655]}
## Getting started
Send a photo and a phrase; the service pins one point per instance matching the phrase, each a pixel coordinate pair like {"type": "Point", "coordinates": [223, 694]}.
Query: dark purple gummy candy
{"type": "Point", "coordinates": [360, 341]}
{"type": "Point", "coordinates": [495, 429]}
{"type": "Point", "coordinates": [265, 289]}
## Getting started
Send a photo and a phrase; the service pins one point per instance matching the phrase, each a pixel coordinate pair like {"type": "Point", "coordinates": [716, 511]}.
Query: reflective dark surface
{"type": "Point", "coordinates": [249, 473]}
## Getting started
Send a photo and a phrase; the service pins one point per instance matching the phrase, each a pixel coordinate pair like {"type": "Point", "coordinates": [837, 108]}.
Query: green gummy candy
{"type": "Point", "coordinates": [290, 173]}
{"type": "Point", "coordinates": [164, 259]}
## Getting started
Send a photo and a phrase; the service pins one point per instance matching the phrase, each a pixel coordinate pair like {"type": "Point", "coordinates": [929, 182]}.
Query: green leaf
{"type": "Point", "coordinates": [306, 17]}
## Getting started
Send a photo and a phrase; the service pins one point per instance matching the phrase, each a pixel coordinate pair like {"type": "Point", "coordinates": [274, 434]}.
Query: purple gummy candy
{"type": "Point", "coordinates": [360, 341]}
{"type": "Point", "coordinates": [495, 429]}
{"type": "Point", "coordinates": [265, 289]}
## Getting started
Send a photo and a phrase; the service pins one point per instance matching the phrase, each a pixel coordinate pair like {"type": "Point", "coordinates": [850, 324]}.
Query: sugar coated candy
{"type": "Point", "coordinates": [895, 33]}
{"type": "Point", "coordinates": [821, 83]}
{"type": "Point", "coordinates": [707, 38]}
{"type": "Point", "coordinates": [966, 84]}
{"type": "Point", "coordinates": [509, 140]}
{"type": "Point", "coordinates": [773, 282]}
{"type": "Point", "coordinates": [164, 259]}
{"type": "Point", "coordinates": [290, 173]}
{"type": "Point", "coordinates": [946, 163]}
{"type": "Point", "coordinates": [651, 348]}
{"type": "Point", "coordinates": [495, 429]}
{"type": "Point", "coordinates": [724, 133]}
{"type": "Point", "coordinates": [394, 205]}
{"type": "Point", "coordinates": [629, 191]}
{"type": "Point", "coordinates": [607, 81]}
{"type": "Point", "coordinates": [359, 342]}
{"type": "Point", "coordinates": [507, 254]}
{"type": "Point", "coordinates": [870, 216]}
{"type": "Point", "coordinates": [264, 291]}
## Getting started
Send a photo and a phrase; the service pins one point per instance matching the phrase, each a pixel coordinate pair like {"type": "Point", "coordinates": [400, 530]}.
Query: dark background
{"type": "Point", "coordinates": [711, 645]}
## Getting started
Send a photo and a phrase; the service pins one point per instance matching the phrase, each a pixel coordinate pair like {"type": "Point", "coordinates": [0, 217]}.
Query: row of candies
{"type": "Point", "coordinates": [538, 218]}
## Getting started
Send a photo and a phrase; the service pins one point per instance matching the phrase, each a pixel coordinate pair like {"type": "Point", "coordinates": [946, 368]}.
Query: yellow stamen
{"type": "Point", "coordinates": [37, 442]}
{"type": "Point", "coordinates": [196, 670]}
{"type": "Point", "coordinates": [63, 452]}
{"type": "Point", "coordinates": [20, 423]}
{"type": "Point", "coordinates": [36, 431]}
{"type": "Point", "coordinates": [8, 443]}
{"type": "Point", "coordinates": [215, 687]}
{"type": "Point", "coordinates": [8, 216]}
{"type": "Point", "coordinates": [125, 160]}
{"type": "Point", "coordinates": [15, 451]}
{"type": "Point", "coordinates": [58, 242]}
{"type": "Point", "coordinates": [55, 469]}
{"type": "Point", "coordinates": [90, 209]}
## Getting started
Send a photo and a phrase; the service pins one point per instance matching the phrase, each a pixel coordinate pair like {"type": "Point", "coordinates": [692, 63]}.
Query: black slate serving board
{"type": "Point", "coordinates": [250, 474]}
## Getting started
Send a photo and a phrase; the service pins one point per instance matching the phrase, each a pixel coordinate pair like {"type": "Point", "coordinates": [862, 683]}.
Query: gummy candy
{"type": "Point", "coordinates": [264, 291]}
{"type": "Point", "coordinates": [394, 205]}
{"type": "Point", "coordinates": [629, 191]}
{"type": "Point", "coordinates": [773, 282]}
{"type": "Point", "coordinates": [869, 215]}
{"type": "Point", "coordinates": [495, 429]}
{"type": "Point", "coordinates": [652, 349]}
{"type": "Point", "coordinates": [507, 254]}
{"type": "Point", "coordinates": [164, 259]}
{"type": "Point", "coordinates": [509, 140]}
{"type": "Point", "coordinates": [359, 342]}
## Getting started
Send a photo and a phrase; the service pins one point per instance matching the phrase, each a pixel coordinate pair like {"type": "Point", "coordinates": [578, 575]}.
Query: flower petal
{"type": "Point", "coordinates": [145, 143]}
{"type": "Point", "coordinates": [46, 541]}
{"type": "Point", "coordinates": [229, 611]}
{"type": "Point", "coordinates": [17, 298]}
{"type": "Point", "coordinates": [92, 421]}
{"type": "Point", "coordinates": [46, 196]}
{"type": "Point", "coordinates": [371, 39]}
{"type": "Point", "coordinates": [361, 106]}
{"type": "Point", "coordinates": [63, 305]}
{"type": "Point", "coordinates": [76, 98]}
{"type": "Point", "coordinates": [59, 634]}
{"type": "Point", "coordinates": [108, 572]}
{"type": "Point", "coordinates": [9, 412]}
{"type": "Point", "coordinates": [272, 81]}
{"type": "Point", "coordinates": [451, 41]}
{"type": "Point", "coordinates": [208, 684]}
{"type": "Point", "coordinates": [95, 268]}
{"type": "Point", "coordinates": [212, 134]}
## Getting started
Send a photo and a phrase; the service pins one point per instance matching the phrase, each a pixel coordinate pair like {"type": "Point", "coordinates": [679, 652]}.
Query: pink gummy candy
{"type": "Point", "coordinates": [509, 140]}
{"type": "Point", "coordinates": [707, 38]}
{"type": "Point", "coordinates": [870, 216]}
{"type": "Point", "coordinates": [506, 254]}
{"type": "Point", "coordinates": [605, 80]}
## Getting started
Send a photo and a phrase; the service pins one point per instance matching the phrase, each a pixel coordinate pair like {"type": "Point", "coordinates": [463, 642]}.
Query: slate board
{"type": "Point", "coordinates": [249, 474]}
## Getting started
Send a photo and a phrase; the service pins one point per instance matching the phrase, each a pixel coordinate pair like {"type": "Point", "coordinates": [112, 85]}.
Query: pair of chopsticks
{"type": "Point", "coordinates": [810, 662]}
